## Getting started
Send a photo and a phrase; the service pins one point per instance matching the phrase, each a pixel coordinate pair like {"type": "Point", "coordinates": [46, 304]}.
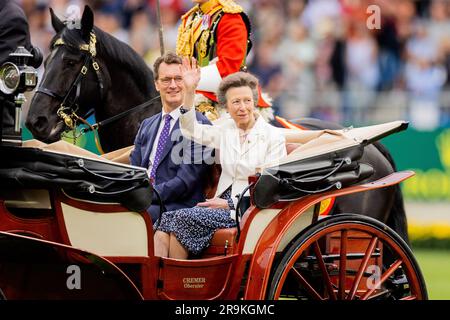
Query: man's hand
{"type": "Point", "coordinates": [191, 74]}
{"type": "Point", "coordinates": [214, 203]}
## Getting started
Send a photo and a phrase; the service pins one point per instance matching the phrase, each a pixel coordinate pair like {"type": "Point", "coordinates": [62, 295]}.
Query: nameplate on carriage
{"type": "Point", "coordinates": [194, 283]}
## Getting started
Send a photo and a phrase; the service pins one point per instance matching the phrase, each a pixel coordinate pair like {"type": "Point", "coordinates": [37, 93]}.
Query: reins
{"type": "Point", "coordinates": [121, 115]}
{"type": "Point", "coordinates": [96, 126]}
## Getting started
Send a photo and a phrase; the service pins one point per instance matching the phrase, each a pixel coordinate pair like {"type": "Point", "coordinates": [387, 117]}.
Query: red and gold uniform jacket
{"type": "Point", "coordinates": [217, 34]}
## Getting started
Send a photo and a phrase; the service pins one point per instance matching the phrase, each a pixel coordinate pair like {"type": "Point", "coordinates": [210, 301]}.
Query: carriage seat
{"type": "Point", "coordinates": [222, 243]}
{"type": "Point", "coordinates": [292, 146]}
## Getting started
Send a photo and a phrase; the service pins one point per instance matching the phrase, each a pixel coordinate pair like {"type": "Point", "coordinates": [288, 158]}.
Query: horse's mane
{"type": "Point", "coordinates": [115, 51]}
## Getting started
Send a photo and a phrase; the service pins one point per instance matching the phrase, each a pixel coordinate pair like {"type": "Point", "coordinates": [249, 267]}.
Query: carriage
{"type": "Point", "coordinates": [75, 227]}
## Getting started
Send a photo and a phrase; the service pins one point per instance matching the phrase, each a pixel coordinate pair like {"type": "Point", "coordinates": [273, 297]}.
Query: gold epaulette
{"type": "Point", "coordinates": [187, 14]}
{"type": "Point", "coordinates": [229, 6]}
{"type": "Point", "coordinates": [184, 46]}
{"type": "Point", "coordinates": [208, 109]}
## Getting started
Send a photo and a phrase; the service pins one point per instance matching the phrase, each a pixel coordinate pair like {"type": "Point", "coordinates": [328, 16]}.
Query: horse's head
{"type": "Point", "coordinates": [70, 68]}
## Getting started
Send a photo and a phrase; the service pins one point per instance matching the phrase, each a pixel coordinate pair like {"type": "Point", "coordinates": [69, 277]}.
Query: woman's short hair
{"type": "Point", "coordinates": [237, 80]}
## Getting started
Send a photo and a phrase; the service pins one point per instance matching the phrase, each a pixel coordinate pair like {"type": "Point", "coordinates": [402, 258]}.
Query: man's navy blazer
{"type": "Point", "coordinates": [180, 175]}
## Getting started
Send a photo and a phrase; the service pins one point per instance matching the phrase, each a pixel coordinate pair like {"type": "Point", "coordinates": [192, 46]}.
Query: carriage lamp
{"type": "Point", "coordinates": [15, 75]}
{"type": "Point", "coordinates": [18, 75]}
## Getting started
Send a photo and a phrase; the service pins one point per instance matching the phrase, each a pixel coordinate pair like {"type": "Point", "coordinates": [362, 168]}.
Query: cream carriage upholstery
{"type": "Point", "coordinates": [111, 234]}
{"type": "Point", "coordinates": [329, 141]}
{"type": "Point", "coordinates": [117, 156]}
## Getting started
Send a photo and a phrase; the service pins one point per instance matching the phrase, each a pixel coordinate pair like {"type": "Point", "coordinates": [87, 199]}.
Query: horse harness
{"type": "Point", "coordinates": [67, 112]}
{"type": "Point", "coordinates": [68, 108]}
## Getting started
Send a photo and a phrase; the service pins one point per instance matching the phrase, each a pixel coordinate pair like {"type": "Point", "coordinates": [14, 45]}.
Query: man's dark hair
{"type": "Point", "coordinates": [168, 58]}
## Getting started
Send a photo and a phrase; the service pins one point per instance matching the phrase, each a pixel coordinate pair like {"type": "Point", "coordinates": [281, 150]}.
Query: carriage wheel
{"type": "Point", "coordinates": [348, 257]}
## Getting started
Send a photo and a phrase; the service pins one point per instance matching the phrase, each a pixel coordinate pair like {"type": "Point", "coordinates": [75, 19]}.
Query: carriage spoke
{"type": "Point", "coordinates": [362, 267]}
{"type": "Point", "coordinates": [383, 278]}
{"type": "Point", "coordinates": [331, 262]}
{"type": "Point", "coordinates": [413, 297]}
{"type": "Point", "coordinates": [342, 265]}
{"type": "Point", "coordinates": [379, 294]}
{"type": "Point", "coordinates": [324, 271]}
{"type": "Point", "coordinates": [306, 285]}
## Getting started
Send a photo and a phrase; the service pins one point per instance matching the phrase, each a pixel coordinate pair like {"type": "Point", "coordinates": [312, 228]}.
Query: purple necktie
{"type": "Point", "coordinates": [161, 143]}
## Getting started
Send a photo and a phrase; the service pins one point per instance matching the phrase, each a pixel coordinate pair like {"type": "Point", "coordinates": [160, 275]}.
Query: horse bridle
{"type": "Point", "coordinates": [67, 112]}
{"type": "Point", "coordinates": [68, 108]}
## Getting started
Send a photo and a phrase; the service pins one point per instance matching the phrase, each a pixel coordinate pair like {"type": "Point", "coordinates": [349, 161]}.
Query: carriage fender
{"type": "Point", "coordinates": [267, 245]}
{"type": "Point", "coordinates": [41, 261]}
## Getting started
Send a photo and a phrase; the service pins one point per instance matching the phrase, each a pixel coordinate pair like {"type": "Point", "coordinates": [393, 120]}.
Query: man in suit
{"type": "Point", "coordinates": [176, 165]}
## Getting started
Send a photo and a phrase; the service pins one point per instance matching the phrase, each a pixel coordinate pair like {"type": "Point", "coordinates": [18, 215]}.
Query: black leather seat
{"type": "Point", "coordinates": [80, 177]}
{"type": "Point", "coordinates": [295, 179]}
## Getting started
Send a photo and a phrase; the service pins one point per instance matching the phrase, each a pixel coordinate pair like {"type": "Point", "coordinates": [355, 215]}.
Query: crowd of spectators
{"type": "Point", "coordinates": [333, 59]}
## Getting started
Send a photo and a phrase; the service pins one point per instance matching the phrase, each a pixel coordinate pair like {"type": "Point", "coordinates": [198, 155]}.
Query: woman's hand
{"type": "Point", "coordinates": [214, 203]}
{"type": "Point", "coordinates": [191, 74]}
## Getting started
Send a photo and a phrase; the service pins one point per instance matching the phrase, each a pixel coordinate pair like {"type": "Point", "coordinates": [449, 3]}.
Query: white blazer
{"type": "Point", "coordinates": [265, 143]}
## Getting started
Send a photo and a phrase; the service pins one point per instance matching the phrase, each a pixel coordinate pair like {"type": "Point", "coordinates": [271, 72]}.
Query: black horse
{"type": "Point", "coordinates": [123, 81]}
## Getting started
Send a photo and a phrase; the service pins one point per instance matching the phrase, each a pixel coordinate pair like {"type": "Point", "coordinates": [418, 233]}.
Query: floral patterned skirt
{"type": "Point", "coordinates": [195, 227]}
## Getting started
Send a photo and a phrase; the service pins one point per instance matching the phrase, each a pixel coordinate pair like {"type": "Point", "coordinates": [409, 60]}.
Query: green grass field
{"type": "Point", "coordinates": [435, 266]}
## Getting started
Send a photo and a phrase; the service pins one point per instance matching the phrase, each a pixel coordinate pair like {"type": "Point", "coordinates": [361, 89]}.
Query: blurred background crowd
{"type": "Point", "coordinates": [322, 58]}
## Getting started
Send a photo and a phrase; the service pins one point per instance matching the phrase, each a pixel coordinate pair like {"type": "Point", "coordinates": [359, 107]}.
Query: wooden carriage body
{"type": "Point", "coordinates": [113, 245]}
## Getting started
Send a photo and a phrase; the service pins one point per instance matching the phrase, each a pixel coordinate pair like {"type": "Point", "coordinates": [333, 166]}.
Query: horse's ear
{"type": "Point", "coordinates": [57, 24]}
{"type": "Point", "coordinates": [87, 22]}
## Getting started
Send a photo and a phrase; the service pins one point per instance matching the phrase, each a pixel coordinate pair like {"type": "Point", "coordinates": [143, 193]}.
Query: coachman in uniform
{"type": "Point", "coordinates": [217, 34]}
